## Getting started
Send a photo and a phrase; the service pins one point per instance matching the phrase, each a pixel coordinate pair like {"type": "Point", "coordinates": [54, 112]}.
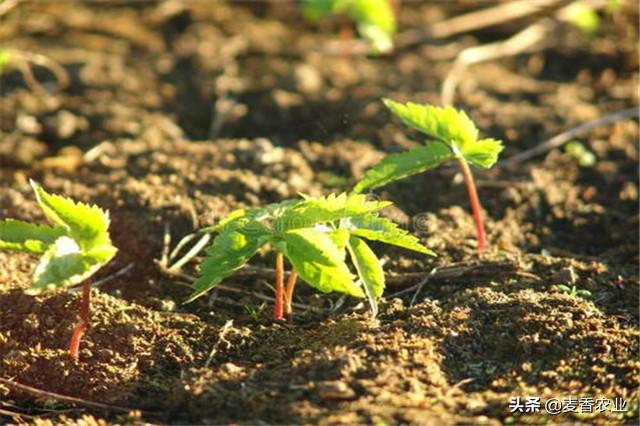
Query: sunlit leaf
{"type": "Point", "coordinates": [319, 262]}
{"type": "Point", "coordinates": [376, 228]}
{"type": "Point", "coordinates": [403, 164]}
{"type": "Point", "coordinates": [228, 252]}
{"type": "Point", "coordinates": [87, 225]}
{"type": "Point", "coordinates": [62, 265]}
{"type": "Point", "coordinates": [369, 270]}
{"type": "Point", "coordinates": [23, 236]}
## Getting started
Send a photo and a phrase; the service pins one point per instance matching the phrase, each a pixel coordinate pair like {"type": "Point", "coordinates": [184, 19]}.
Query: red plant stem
{"type": "Point", "coordinates": [475, 203]}
{"type": "Point", "coordinates": [78, 332]}
{"type": "Point", "coordinates": [278, 307]}
{"type": "Point", "coordinates": [288, 294]}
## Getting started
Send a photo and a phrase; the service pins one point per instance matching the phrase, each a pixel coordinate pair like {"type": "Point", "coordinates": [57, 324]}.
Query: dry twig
{"type": "Point", "coordinates": [568, 135]}
{"type": "Point", "coordinates": [22, 60]}
{"type": "Point", "coordinates": [221, 338]}
{"type": "Point", "coordinates": [531, 38]}
{"type": "Point", "coordinates": [62, 398]}
{"type": "Point", "coordinates": [477, 20]}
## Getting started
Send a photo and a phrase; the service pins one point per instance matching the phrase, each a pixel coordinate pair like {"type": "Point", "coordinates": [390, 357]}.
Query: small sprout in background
{"type": "Point", "coordinates": [375, 19]}
{"type": "Point", "coordinates": [254, 312]}
{"type": "Point", "coordinates": [582, 16]}
{"type": "Point", "coordinates": [580, 153]}
{"type": "Point", "coordinates": [314, 235]}
{"type": "Point", "coordinates": [573, 291]}
{"type": "Point", "coordinates": [5, 58]}
{"type": "Point", "coordinates": [450, 135]}
{"type": "Point", "coordinates": [73, 249]}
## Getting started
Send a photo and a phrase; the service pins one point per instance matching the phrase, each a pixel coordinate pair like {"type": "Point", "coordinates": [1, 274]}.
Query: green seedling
{"type": "Point", "coordinates": [314, 235]}
{"type": "Point", "coordinates": [451, 135]}
{"type": "Point", "coordinates": [5, 58]}
{"type": "Point", "coordinates": [72, 249]}
{"type": "Point", "coordinates": [580, 153]}
{"type": "Point", "coordinates": [254, 312]}
{"type": "Point", "coordinates": [573, 291]}
{"type": "Point", "coordinates": [375, 19]}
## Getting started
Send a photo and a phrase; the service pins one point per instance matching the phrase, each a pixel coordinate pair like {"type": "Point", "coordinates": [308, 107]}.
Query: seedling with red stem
{"type": "Point", "coordinates": [450, 135]}
{"type": "Point", "coordinates": [314, 235]}
{"type": "Point", "coordinates": [73, 249]}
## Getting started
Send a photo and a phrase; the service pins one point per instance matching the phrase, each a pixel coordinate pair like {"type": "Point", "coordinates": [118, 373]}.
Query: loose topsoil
{"type": "Point", "coordinates": [179, 112]}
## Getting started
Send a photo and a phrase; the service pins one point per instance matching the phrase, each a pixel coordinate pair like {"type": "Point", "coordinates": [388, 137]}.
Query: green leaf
{"type": "Point", "coordinates": [23, 236]}
{"type": "Point", "coordinates": [376, 22]}
{"type": "Point", "coordinates": [369, 270]}
{"type": "Point", "coordinates": [87, 225]}
{"type": "Point", "coordinates": [376, 228]}
{"type": "Point", "coordinates": [317, 9]}
{"type": "Point", "coordinates": [230, 218]}
{"type": "Point", "coordinates": [375, 13]}
{"type": "Point", "coordinates": [312, 211]}
{"type": "Point", "coordinates": [62, 265]}
{"type": "Point", "coordinates": [229, 251]}
{"type": "Point", "coordinates": [483, 153]}
{"type": "Point", "coordinates": [319, 262]}
{"type": "Point", "coordinates": [403, 164]}
{"type": "Point", "coordinates": [340, 237]}
{"type": "Point", "coordinates": [5, 59]}
{"type": "Point", "coordinates": [446, 124]}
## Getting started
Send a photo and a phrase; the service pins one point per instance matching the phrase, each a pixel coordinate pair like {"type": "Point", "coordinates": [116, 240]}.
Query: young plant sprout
{"type": "Point", "coordinates": [375, 19]}
{"type": "Point", "coordinates": [313, 234]}
{"type": "Point", "coordinates": [73, 249]}
{"type": "Point", "coordinates": [451, 135]}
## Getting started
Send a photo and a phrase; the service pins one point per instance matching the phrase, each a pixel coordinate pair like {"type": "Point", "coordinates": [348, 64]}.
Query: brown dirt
{"type": "Point", "coordinates": [136, 132]}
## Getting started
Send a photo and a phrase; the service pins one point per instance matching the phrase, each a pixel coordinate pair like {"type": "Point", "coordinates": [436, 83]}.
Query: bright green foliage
{"type": "Point", "coordinates": [326, 209]}
{"type": "Point", "coordinates": [583, 16]}
{"type": "Point", "coordinates": [369, 270]}
{"type": "Point", "coordinates": [5, 58]}
{"type": "Point", "coordinates": [23, 236]}
{"type": "Point", "coordinates": [579, 152]}
{"type": "Point", "coordinates": [75, 248]}
{"type": "Point", "coordinates": [235, 245]}
{"type": "Point", "coordinates": [319, 261]}
{"type": "Point", "coordinates": [375, 19]}
{"type": "Point", "coordinates": [450, 134]}
{"type": "Point", "coordinates": [404, 164]}
{"type": "Point", "coordinates": [88, 225]}
{"type": "Point", "coordinates": [376, 228]}
{"type": "Point", "coordinates": [314, 234]}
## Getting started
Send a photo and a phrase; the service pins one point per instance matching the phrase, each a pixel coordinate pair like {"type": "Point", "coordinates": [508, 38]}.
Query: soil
{"type": "Point", "coordinates": [179, 112]}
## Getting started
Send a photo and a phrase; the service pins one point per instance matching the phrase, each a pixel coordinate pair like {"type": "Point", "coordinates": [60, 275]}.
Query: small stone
{"type": "Point", "coordinates": [334, 390]}
{"type": "Point", "coordinates": [231, 368]}
{"type": "Point", "coordinates": [28, 124]}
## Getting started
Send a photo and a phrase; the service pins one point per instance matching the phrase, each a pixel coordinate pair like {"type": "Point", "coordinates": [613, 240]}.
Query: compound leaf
{"type": "Point", "coordinates": [229, 251]}
{"type": "Point", "coordinates": [312, 211]}
{"type": "Point", "coordinates": [230, 218]}
{"type": "Point", "coordinates": [450, 126]}
{"type": "Point", "coordinates": [319, 262]}
{"type": "Point", "coordinates": [23, 236]}
{"type": "Point", "coordinates": [340, 238]}
{"type": "Point", "coordinates": [446, 124]}
{"type": "Point", "coordinates": [87, 225]}
{"type": "Point", "coordinates": [403, 164]}
{"type": "Point", "coordinates": [483, 153]}
{"type": "Point", "coordinates": [376, 228]}
{"type": "Point", "coordinates": [62, 265]}
{"type": "Point", "coordinates": [369, 270]}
